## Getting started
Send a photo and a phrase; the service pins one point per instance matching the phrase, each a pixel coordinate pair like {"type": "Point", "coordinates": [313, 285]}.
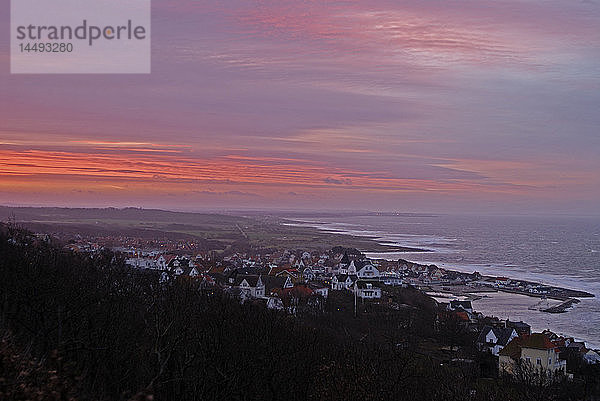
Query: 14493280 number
{"type": "Point", "coordinates": [46, 47]}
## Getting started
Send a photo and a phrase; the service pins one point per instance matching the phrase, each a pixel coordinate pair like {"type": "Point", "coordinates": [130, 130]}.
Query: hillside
{"type": "Point", "coordinates": [89, 326]}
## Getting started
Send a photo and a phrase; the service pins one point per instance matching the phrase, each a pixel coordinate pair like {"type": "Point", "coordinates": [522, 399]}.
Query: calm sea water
{"type": "Point", "coordinates": [563, 251]}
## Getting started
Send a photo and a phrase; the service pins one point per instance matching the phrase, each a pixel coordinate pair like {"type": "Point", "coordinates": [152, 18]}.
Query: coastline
{"type": "Point", "coordinates": [398, 249]}
{"type": "Point", "coordinates": [510, 303]}
{"type": "Point", "coordinates": [353, 240]}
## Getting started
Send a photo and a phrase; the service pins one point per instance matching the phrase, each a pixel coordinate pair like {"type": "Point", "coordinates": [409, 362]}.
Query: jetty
{"type": "Point", "coordinates": [562, 307]}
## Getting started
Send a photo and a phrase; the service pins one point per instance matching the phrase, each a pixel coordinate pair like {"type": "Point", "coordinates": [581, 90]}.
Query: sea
{"type": "Point", "coordinates": [558, 250]}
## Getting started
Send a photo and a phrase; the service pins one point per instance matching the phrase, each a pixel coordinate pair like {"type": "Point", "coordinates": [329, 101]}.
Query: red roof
{"type": "Point", "coordinates": [462, 316]}
{"type": "Point", "coordinates": [300, 291]}
{"type": "Point", "coordinates": [535, 341]}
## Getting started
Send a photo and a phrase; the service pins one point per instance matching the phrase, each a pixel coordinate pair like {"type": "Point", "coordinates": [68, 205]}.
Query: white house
{"type": "Point", "coordinates": [351, 269]}
{"type": "Point", "coordinates": [308, 274]}
{"type": "Point", "coordinates": [368, 271]}
{"type": "Point", "coordinates": [390, 278]}
{"type": "Point", "coordinates": [456, 304]}
{"type": "Point", "coordinates": [367, 289]}
{"type": "Point", "coordinates": [493, 339]}
{"type": "Point", "coordinates": [251, 285]}
{"type": "Point", "coordinates": [436, 275]}
{"type": "Point", "coordinates": [274, 303]}
{"type": "Point", "coordinates": [502, 281]}
{"type": "Point", "coordinates": [591, 357]}
{"type": "Point", "coordinates": [161, 263]}
{"type": "Point", "coordinates": [342, 282]}
{"type": "Point", "coordinates": [273, 283]}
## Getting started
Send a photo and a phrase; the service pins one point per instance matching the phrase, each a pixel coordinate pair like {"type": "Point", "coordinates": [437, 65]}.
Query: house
{"type": "Point", "coordinates": [160, 262]}
{"type": "Point", "coordinates": [172, 262]}
{"type": "Point", "coordinates": [296, 298]}
{"type": "Point", "coordinates": [502, 281]}
{"type": "Point", "coordinates": [345, 261]}
{"type": "Point", "coordinates": [577, 346]}
{"type": "Point", "coordinates": [319, 289]}
{"type": "Point", "coordinates": [368, 271]}
{"type": "Point", "coordinates": [308, 274]}
{"type": "Point", "coordinates": [291, 273]}
{"type": "Point", "coordinates": [299, 264]}
{"type": "Point", "coordinates": [275, 303]}
{"type": "Point", "coordinates": [493, 339]}
{"type": "Point", "coordinates": [436, 275]}
{"type": "Point", "coordinates": [520, 327]}
{"type": "Point", "coordinates": [367, 289]}
{"type": "Point", "coordinates": [535, 350]}
{"type": "Point", "coordinates": [251, 285]}
{"type": "Point", "coordinates": [350, 270]}
{"type": "Point", "coordinates": [464, 305]}
{"type": "Point", "coordinates": [273, 282]}
{"type": "Point", "coordinates": [389, 278]}
{"type": "Point", "coordinates": [342, 282]}
{"type": "Point", "coordinates": [207, 281]}
{"type": "Point", "coordinates": [591, 357]}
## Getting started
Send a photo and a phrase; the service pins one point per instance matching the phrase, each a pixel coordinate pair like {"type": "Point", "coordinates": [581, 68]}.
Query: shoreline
{"type": "Point", "coordinates": [380, 241]}
{"type": "Point", "coordinates": [379, 246]}
{"type": "Point", "coordinates": [510, 300]}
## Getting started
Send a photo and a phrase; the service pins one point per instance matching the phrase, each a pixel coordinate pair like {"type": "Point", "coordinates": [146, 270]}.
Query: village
{"type": "Point", "coordinates": [296, 281]}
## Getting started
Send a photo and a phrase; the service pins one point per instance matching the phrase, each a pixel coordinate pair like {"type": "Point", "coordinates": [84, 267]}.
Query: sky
{"type": "Point", "coordinates": [445, 106]}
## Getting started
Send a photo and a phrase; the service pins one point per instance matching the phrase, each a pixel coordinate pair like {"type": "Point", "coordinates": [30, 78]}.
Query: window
{"type": "Point", "coordinates": [528, 359]}
{"type": "Point", "coordinates": [549, 361]}
{"type": "Point", "coordinates": [539, 361]}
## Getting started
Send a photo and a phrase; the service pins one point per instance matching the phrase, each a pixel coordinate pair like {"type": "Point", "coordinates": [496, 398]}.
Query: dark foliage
{"type": "Point", "coordinates": [102, 331]}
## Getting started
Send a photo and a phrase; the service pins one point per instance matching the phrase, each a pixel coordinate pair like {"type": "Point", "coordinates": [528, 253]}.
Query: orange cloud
{"type": "Point", "coordinates": [40, 170]}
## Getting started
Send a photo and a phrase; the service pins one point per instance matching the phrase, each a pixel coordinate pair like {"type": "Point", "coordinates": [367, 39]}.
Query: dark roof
{"type": "Point", "coordinates": [483, 334]}
{"type": "Point", "coordinates": [272, 282]}
{"type": "Point", "coordinates": [578, 345]}
{"type": "Point", "coordinates": [455, 303]}
{"type": "Point", "coordinates": [502, 334]}
{"type": "Point", "coordinates": [218, 277]}
{"type": "Point", "coordinates": [314, 285]}
{"type": "Point", "coordinates": [366, 283]}
{"type": "Point", "coordinates": [362, 263]}
{"type": "Point", "coordinates": [341, 277]}
{"type": "Point", "coordinates": [250, 278]}
{"type": "Point", "coordinates": [517, 325]}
